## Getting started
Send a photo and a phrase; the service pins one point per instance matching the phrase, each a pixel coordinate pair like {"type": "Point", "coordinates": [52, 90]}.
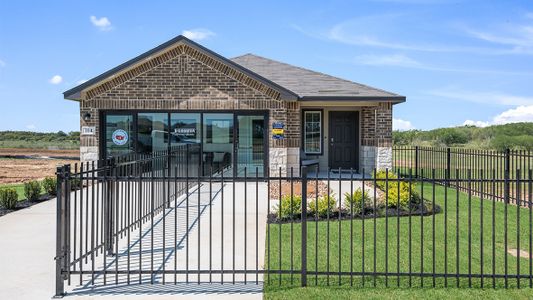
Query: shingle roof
{"type": "Point", "coordinates": [311, 85]}
{"type": "Point", "coordinates": [293, 83]}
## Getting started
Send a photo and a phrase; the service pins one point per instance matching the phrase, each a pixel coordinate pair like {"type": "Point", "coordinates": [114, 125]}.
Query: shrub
{"type": "Point", "coordinates": [50, 185]}
{"type": "Point", "coordinates": [395, 199]}
{"type": "Point", "coordinates": [381, 177]}
{"type": "Point", "coordinates": [8, 198]}
{"type": "Point", "coordinates": [326, 204]}
{"type": "Point", "coordinates": [289, 208]}
{"type": "Point", "coordinates": [32, 190]}
{"type": "Point", "coordinates": [357, 201]}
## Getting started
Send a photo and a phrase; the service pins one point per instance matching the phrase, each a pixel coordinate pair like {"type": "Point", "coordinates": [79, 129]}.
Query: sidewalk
{"type": "Point", "coordinates": [27, 248]}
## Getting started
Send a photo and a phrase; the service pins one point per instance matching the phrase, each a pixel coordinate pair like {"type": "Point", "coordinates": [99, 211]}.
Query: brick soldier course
{"type": "Point", "coordinates": [181, 75]}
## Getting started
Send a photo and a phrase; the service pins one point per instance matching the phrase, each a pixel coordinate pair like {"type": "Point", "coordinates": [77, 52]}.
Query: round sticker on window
{"type": "Point", "coordinates": [120, 137]}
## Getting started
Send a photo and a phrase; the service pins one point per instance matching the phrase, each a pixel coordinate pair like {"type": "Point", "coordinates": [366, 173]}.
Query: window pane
{"type": "Point", "coordinates": [152, 132]}
{"type": "Point", "coordinates": [119, 134]}
{"type": "Point", "coordinates": [313, 132]}
{"type": "Point", "coordinates": [184, 128]}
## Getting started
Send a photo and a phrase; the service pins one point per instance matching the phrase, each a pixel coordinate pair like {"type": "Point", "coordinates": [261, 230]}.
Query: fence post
{"type": "Point", "coordinates": [506, 187]}
{"type": "Point", "coordinates": [62, 173]}
{"type": "Point", "coordinates": [303, 174]}
{"type": "Point", "coordinates": [448, 166]}
{"type": "Point", "coordinates": [416, 161]}
{"type": "Point", "coordinates": [108, 214]}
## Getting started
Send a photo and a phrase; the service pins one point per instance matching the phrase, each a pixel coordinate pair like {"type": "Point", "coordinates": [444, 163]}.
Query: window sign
{"type": "Point", "coordinates": [120, 137]}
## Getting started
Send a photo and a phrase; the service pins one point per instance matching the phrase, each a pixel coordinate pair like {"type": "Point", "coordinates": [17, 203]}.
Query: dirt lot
{"type": "Point", "coordinates": [21, 165]}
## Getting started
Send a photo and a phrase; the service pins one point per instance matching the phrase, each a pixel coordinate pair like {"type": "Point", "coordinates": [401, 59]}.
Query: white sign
{"type": "Point", "coordinates": [120, 137]}
{"type": "Point", "coordinates": [88, 130]}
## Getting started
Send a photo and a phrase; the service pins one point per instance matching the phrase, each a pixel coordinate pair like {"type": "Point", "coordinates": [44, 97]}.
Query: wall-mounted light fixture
{"type": "Point", "coordinates": [86, 116]}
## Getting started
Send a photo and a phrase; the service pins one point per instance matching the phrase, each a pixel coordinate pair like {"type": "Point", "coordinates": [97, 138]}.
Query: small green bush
{"type": "Point", "coordinates": [397, 197]}
{"type": "Point", "coordinates": [50, 185]}
{"type": "Point", "coordinates": [357, 201]}
{"type": "Point", "coordinates": [289, 208]}
{"type": "Point", "coordinates": [32, 190]}
{"type": "Point", "coordinates": [326, 205]}
{"type": "Point", "coordinates": [381, 179]}
{"type": "Point", "coordinates": [8, 198]}
{"type": "Point", "coordinates": [75, 183]}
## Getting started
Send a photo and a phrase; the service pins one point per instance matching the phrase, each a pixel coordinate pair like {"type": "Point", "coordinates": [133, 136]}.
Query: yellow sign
{"type": "Point", "coordinates": [277, 131]}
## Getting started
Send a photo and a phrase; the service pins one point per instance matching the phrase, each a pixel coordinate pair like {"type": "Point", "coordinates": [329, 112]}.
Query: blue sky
{"type": "Point", "coordinates": [455, 61]}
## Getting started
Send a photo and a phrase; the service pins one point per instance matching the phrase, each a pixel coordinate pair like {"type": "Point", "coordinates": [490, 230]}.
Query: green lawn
{"type": "Point", "coordinates": [421, 254]}
{"type": "Point", "coordinates": [18, 187]}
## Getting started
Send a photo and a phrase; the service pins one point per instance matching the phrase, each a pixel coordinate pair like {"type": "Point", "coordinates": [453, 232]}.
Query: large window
{"type": "Point", "coordinates": [152, 132]}
{"type": "Point", "coordinates": [313, 132]}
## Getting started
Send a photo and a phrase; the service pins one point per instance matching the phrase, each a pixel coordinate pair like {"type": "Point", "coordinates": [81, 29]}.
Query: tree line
{"type": "Point", "coordinates": [517, 136]}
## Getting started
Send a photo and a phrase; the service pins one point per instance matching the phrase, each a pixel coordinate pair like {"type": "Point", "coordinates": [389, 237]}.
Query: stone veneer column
{"type": "Point", "coordinates": [376, 141]}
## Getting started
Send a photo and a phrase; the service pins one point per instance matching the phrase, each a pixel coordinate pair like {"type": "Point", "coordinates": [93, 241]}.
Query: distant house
{"type": "Point", "coordinates": [250, 111]}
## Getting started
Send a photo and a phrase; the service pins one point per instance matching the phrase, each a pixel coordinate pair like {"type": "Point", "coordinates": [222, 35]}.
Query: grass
{"type": "Point", "coordinates": [423, 243]}
{"type": "Point", "coordinates": [20, 190]}
{"type": "Point", "coordinates": [70, 145]}
{"type": "Point", "coordinates": [18, 187]}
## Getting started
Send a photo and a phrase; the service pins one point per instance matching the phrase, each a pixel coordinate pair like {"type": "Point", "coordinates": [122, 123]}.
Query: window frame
{"type": "Point", "coordinates": [304, 130]}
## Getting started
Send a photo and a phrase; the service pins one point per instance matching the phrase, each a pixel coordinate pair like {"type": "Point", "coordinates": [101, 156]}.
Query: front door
{"type": "Point", "coordinates": [344, 140]}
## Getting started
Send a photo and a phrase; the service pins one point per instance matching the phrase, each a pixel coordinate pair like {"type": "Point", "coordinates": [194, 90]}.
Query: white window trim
{"type": "Point", "coordinates": [305, 131]}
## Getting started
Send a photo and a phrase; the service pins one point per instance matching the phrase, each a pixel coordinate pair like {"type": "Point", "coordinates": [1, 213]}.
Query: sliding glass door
{"type": "Point", "coordinates": [229, 142]}
{"type": "Point", "coordinates": [250, 145]}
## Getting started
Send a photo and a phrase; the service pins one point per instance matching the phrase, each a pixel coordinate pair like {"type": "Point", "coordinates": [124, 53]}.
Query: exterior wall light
{"type": "Point", "coordinates": [86, 117]}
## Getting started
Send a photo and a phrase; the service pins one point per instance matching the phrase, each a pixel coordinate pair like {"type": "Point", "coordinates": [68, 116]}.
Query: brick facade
{"type": "Point", "coordinates": [183, 78]}
{"type": "Point", "coordinates": [186, 81]}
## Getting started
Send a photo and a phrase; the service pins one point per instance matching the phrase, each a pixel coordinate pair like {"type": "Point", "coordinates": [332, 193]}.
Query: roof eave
{"type": "Point", "coordinates": [393, 99]}
{"type": "Point", "coordinates": [75, 92]}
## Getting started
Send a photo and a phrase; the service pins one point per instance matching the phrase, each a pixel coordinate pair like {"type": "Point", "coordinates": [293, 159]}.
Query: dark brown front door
{"type": "Point", "coordinates": [344, 139]}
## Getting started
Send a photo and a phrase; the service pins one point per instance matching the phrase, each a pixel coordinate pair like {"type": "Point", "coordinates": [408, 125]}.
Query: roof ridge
{"type": "Point", "coordinates": [313, 71]}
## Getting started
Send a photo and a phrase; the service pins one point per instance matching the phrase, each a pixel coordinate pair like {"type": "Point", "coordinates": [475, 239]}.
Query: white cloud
{"type": "Point", "coordinates": [2, 63]}
{"type": "Point", "coordinates": [489, 97]}
{"type": "Point", "coordinates": [31, 127]}
{"type": "Point", "coordinates": [81, 81]}
{"type": "Point", "coordinates": [102, 23]}
{"type": "Point", "coordinates": [56, 79]}
{"type": "Point", "coordinates": [198, 34]}
{"type": "Point", "coordinates": [476, 123]}
{"type": "Point", "coordinates": [522, 113]}
{"type": "Point", "coordinates": [399, 124]}
{"type": "Point", "coordinates": [398, 60]}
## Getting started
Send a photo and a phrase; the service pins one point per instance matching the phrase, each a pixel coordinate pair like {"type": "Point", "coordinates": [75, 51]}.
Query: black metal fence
{"type": "Point", "coordinates": [507, 165]}
{"type": "Point", "coordinates": [148, 220]}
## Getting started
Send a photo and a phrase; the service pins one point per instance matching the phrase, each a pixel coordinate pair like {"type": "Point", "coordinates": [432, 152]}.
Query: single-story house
{"type": "Point", "coordinates": [248, 111]}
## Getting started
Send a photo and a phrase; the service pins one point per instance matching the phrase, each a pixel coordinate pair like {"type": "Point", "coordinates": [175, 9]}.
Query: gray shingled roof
{"type": "Point", "coordinates": [311, 85]}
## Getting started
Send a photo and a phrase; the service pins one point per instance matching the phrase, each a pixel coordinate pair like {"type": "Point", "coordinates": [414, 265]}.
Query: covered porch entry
{"type": "Point", "coordinates": [331, 138]}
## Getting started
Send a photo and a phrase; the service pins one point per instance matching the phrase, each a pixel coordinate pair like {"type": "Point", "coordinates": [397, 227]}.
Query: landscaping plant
{"type": "Point", "coordinates": [288, 207]}
{"type": "Point", "coordinates": [326, 205]}
{"type": "Point", "coordinates": [399, 193]}
{"type": "Point", "coordinates": [50, 186]}
{"type": "Point", "coordinates": [32, 190]}
{"type": "Point", "coordinates": [8, 198]}
{"type": "Point", "coordinates": [357, 201]}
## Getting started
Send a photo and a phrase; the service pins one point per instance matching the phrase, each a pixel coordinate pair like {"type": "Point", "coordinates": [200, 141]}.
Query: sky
{"type": "Point", "coordinates": [457, 62]}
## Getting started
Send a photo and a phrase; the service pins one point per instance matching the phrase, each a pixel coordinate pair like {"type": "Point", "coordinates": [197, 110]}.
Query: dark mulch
{"type": "Point", "coordinates": [25, 204]}
{"type": "Point", "coordinates": [381, 212]}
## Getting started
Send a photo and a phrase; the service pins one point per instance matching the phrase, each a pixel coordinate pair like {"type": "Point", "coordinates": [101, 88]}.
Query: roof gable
{"type": "Point", "coordinates": [170, 50]}
{"type": "Point", "coordinates": [312, 85]}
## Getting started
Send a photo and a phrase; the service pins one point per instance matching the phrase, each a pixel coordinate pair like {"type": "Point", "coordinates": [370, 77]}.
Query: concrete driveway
{"type": "Point", "coordinates": [218, 234]}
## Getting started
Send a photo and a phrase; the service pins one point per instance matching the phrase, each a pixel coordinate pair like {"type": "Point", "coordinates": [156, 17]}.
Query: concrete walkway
{"type": "Point", "coordinates": [27, 248]}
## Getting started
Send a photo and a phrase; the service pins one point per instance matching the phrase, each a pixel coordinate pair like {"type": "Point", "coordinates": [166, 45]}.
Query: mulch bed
{"type": "Point", "coordinates": [25, 204]}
